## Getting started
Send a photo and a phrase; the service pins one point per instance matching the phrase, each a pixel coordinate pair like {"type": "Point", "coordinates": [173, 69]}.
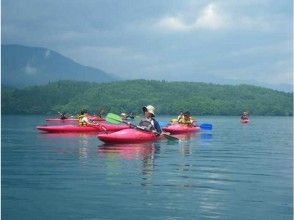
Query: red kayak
{"type": "Point", "coordinates": [128, 136]}
{"type": "Point", "coordinates": [61, 120]}
{"type": "Point", "coordinates": [245, 121]}
{"type": "Point", "coordinates": [77, 128]}
{"type": "Point", "coordinates": [180, 128]}
{"type": "Point", "coordinates": [73, 119]}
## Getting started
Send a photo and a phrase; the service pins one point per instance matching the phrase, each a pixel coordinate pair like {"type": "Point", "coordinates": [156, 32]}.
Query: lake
{"type": "Point", "coordinates": [235, 171]}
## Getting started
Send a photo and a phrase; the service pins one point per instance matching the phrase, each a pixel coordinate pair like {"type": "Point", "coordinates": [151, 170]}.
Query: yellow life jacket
{"type": "Point", "coordinates": [82, 122]}
{"type": "Point", "coordinates": [187, 121]}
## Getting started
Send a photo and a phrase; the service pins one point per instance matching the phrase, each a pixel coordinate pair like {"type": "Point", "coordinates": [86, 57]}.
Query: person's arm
{"type": "Point", "coordinates": [157, 127]}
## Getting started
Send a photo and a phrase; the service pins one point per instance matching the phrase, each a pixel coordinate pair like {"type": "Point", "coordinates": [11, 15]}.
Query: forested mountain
{"type": "Point", "coordinates": [23, 66]}
{"type": "Point", "coordinates": [167, 97]}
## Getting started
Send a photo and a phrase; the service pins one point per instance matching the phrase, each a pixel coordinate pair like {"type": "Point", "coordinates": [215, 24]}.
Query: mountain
{"type": "Point", "coordinates": [167, 97]}
{"type": "Point", "coordinates": [23, 66]}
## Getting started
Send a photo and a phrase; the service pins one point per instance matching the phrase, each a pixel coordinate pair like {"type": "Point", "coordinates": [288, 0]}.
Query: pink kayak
{"type": "Point", "coordinates": [61, 120]}
{"type": "Point", "coordinates": [179, 128]}
{"type": "Point", "coordinates": [73, 119]}
{"type": "Point", "coordinates": [77, 128]}
{"type": "Point", "coordinates": [245, 121]}
{"type": "Point", "coordinates": [128, 136]}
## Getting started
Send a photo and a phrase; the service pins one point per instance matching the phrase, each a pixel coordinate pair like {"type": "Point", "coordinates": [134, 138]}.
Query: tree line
{"type": "Point", "coordinates": [130, 96]}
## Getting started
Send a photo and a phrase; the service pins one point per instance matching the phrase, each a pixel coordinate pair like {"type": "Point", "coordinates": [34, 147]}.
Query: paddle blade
{"type": "Point", "coordinates": [206, 126]}
{"type": "Point", "coordinates": [171, 138]}
{"type": "Point", "coordinates": [113, 118]}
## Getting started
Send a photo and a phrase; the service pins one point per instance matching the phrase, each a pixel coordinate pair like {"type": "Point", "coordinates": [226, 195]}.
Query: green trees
{"type": "Point", "coordinates": [167, 97]}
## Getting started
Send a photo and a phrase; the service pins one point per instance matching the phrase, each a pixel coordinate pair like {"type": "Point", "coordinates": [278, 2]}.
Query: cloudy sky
{"type": "Point", "coordinates": [189, 40]}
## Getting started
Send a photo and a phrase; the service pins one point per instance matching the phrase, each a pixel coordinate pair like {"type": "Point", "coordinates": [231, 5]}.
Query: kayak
{"type": "Point", "coordinates": [77, 128]}
{"type": "Point", "coordinates": [245, 121]}
{"type": "Point", "coordinates": [73, 119]}
{"type": "Point", "coordinates": [96, 118]}
{"type": "Point", "coordinates": [61, 120]}
{"type": "Point", "coordinates": [130, 135]}
{"type": "Point", "coordinates": [179, 128]}
{"type": "Point", "coordinates": [68, 128]}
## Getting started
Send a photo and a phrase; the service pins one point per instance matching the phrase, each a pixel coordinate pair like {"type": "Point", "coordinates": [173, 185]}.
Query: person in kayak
{"type": "Point", "coordinates": [84, 118]}
{"type": "Point", "coordinates": [176, 120]}
{"type": "Point", "coordinates": [148, 122]}
{"type": "Point", "coordinates": [62, 115]}
{"type": "Point", "coordinates": [186, 119]}
{"type": "Point", "coordinates": [124, 116]}
{"type": "Point", "coordinates": [245, 116]}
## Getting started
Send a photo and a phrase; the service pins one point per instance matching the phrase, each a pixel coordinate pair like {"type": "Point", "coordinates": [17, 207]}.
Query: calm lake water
{"type": "Point", "coordinates": [236, 171]}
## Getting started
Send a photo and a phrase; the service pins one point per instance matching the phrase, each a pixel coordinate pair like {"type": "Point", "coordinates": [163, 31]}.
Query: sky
{"type": "Point", "coordinates": [228, 41]}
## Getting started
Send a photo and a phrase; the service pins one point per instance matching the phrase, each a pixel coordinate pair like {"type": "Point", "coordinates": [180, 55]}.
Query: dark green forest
{"type": "Point", "coordinates": [130, 96]}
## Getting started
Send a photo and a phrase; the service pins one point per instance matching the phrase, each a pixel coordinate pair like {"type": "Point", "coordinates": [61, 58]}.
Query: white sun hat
{"type": "Point", "coordinates": [150, 109]}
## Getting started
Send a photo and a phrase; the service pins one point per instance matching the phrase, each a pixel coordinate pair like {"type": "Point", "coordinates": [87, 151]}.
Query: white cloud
{"type": "Point", "coordinates": [211, 17]}
{"type": "Point", "coordinates": [174, 24]}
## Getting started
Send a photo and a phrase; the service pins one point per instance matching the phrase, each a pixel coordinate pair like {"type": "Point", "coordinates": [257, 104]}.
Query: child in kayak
{"type": "Point", "coordinates": [148, 122]}
{"type": "Point", "coordinates": [84, 118]}
{"type": "Point", "coordinates": [245, 116]}
{"type": "Point", "coordinates": [186, 119]}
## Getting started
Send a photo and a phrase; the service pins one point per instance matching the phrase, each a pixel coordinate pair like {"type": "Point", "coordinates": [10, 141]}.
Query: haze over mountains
{"type": "Point", "coordinates": [24, 66]}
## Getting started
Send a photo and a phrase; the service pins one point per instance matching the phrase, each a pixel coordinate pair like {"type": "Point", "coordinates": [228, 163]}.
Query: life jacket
{"type": "Point", "coordinates": [147, 123]}
{"type": "Point", "coordinates": [82, 122]}
{"type": "Point", "coordinates": [188, 121]}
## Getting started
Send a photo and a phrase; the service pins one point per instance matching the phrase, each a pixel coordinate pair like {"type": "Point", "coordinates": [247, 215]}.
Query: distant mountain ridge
{"type": "Point", "coordinates": [24, 66]}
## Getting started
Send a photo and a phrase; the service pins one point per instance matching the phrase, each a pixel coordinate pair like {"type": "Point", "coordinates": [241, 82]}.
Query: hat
{"type": "Point", "coordinates": [123, 114]}
{"type": "Point", "coordinates": [149, 108]}
{"type": "Point", "coordinates": [187, 113]}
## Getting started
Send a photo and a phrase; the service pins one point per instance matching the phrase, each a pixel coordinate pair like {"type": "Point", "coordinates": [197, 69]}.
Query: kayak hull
{"type": "Point", "coordinates": [245, 121]}
{"type": "Point", "coordinates": [61, 120]}
{"type": "Point", "coordinates": [77, 128]}
{"type": "Point", "coordinates": [127, 136]}
{"type": "Point", "coordinates": [73, 119]}
{"type": "Point", "coordinates": [68, 128]}
{"type": "Point", "coordinates": [180, 129]}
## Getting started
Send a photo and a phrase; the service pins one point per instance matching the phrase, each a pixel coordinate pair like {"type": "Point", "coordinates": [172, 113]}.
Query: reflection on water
{"type": "Point", "coordinates": [83, 147]}
{"type": "Point", "coordinates": [185, 148]}
{"type": "Point", "coordinates": [144, 152]}
{"type": "Point", "coordinates": [187, 136]}
{"type": "Point", "coordinates": [206, 136]}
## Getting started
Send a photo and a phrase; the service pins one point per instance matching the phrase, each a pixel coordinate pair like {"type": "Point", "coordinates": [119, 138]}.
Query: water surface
{"type": "Point", "coordinates": [234, 172]}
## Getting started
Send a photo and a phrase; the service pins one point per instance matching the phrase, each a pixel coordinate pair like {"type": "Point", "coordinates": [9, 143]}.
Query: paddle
{"type": "Point", "coordinates": [206, 126]}
{"type": "Point", "coordinates": [116, 119]}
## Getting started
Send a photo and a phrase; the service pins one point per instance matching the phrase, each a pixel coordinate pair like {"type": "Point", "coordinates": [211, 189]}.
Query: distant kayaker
{"type": "Point", "coordinates": [148, 122]}
{"type": "Point", "coordinates": [245, 116]}
{"type": "Point", "coordinates": [186, 119]}
{"type": "Point", "coordinates": [124, 116]}
{"type": "Point", "coordinates": [62, 115]}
